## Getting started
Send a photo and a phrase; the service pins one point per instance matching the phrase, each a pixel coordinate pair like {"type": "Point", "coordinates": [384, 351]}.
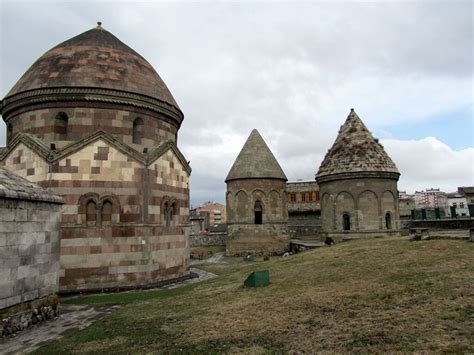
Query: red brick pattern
{"type": "Point", "coordinates": [117, 245]}
{"type": "Point", "coordinates": [85, 120]}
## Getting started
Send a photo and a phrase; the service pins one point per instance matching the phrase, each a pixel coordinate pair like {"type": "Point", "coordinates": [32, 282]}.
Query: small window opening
{"type": "Point", "coordinates": [168, 214]}
{"type": "Point", "coordinates": [174, 212]}
{"type": "Point", "coordinates": [107, 213]}
{"type": "Point", "coordinates": [388, 221]}
{"type": "Point", "coordinates": [258, 212]}
{"type": "Point", "coordinates": [91, 213]}
{"type": "Point", "coordinates": [346, 222]}
{"type": "Point", "coordinates": [138, 129]}
{"type": "Point", "coordinates": [62, 121]}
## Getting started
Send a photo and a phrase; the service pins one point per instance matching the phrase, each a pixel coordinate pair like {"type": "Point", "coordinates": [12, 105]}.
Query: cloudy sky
{"type": "Point", "coordinates": [292, 70]}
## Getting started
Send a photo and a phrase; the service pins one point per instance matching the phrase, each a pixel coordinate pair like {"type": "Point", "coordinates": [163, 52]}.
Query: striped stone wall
{"type": "Point", "coordinates": [48, 124]}
{"type": "Point", "coordinates": [121, 256]}
{"type": "Point", "coordinates": [125, 238]}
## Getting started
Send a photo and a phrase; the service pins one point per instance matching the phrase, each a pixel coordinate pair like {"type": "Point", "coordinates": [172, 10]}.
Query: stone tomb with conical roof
{"type": "Point", "coordinates": [257, 211]}
{"type": "Point", "coordinates": [358, 185]}
{"type": "Point", "coordinates": [93, 121]}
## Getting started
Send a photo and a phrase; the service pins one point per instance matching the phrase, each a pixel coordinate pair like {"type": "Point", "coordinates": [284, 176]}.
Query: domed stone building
{"type": "Point", "coordinates": [93, 121]}
{"type": "Point", "coordinates": [358, 185]}
{"type": "Point", "coordinates": [257, 208]}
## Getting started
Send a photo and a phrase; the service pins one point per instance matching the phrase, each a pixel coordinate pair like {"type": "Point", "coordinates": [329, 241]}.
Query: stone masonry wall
{"type": "Point", "coordinates": [365, 200]}
{"type": "Point", "coordinates": [29, 250]}
{"type": "Point", "coordinates": [125, 240]}
{"type": "Point", "coordinates": [116, 119]}
{"type": "Point", "coordinates": [121, 256]}
{"type": "Point", "coordinates": [208, 240]}
{"type": "Point", "coordinates": [244, 236]}
{"type": "Point", "coordinates": [258, 239]}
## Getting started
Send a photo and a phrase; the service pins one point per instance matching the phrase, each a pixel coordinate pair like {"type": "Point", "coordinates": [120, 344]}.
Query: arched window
{"type": "Point", "coordinates": [346, 222]}
{"type": "Point", "coordinates": [9, 133]}
{"type": "Point", "coordinates": [61, 125]}
{"type": "Point", "coordinates": [138, 129]}
{"type": "Point", "coordinates": [167, 214]}
{"type": "Point", "coordinates": [388, 220]}
{"type": "Point", "coordinates": [174, 211]}
{"type": "Point", "coordinates": [258, 212]}
{"type": "Point", "coordinates": [106, 213]}
{"type": "Point", "coordinates": [91, 213]}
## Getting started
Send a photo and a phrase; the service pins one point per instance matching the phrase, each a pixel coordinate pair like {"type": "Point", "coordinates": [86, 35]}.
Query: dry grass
{"type": "Point", "coordinates": [362, 296]}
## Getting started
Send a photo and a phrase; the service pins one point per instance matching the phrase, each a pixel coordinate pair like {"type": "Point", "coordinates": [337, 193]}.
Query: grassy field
{"type": "Point", "coordinates": [361, 296]}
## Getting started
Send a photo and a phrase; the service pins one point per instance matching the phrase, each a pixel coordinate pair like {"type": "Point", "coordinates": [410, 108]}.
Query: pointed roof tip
{"type": "Point", "coordinates": [255, 132]}
{"type": "Point", "coordinates": [255, 161]}
{"type": "Point", "coordinates": [352, 113]}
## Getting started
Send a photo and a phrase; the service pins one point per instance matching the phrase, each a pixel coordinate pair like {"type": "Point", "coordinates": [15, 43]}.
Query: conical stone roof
{"type": "Point", "coordinates": [255, 161]}
{"type": "Point", "coordinates": [94, 59]}
{"type": "Point", "coordinates": [355, 151]}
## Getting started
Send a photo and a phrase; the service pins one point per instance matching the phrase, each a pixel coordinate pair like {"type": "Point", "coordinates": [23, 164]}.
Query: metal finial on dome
{"type": "Point", "coordinates": [99, 23]}
{"type": "Point", "coordinates": [352, 110]}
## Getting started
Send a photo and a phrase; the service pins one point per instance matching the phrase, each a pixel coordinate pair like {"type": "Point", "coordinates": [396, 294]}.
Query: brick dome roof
{"type": "Point", "coordinates": [94, 59]}
{"type": "Point", "coordinates": [356, 151]}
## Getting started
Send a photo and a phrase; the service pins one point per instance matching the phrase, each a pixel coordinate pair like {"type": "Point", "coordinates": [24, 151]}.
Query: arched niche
{"type": "Point", "coordinates": [327, 212]}
{"type": "Point", "coordinates": [274, 204]}
{"type": "Point", "coordinates": [241, 210]}
{"type": "Point", "coordinates": [345, 205]}
{"type": "Point", "coordinates": [368, 211]}
{"type": "Point", "coordinates": [258, 212]}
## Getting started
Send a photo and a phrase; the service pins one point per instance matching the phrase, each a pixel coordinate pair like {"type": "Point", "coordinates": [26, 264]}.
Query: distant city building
{"type": "Point", "coordinates": [406, 203]}
{"type": "Point", "coordinates": [431, 198]}
{"type": "Point", "coordinates": [468, 193]}
{"type": "Point", "coordinates": [199, 220]}
{"type": "Point", "coordinates": [404, 195]}
{"type": "Point", "coordinates": [304, 210]}
{"type": "Point", "coordinates": [457, 204]}
{"type": "Point", "coordinates": [217, 213]}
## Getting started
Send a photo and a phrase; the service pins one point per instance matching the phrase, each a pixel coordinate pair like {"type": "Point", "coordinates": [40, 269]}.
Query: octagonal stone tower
{"type": "Point", "coordinates": [257, 209]}
{"type": "Point", "coordinates": [93, 121]}
{"type": "Point", "coordinates": [358, 185]}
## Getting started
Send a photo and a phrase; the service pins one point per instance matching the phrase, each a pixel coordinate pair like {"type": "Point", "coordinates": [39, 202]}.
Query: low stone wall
{"type": "Point", "coordinates": [297, 231]}
{"type": "Point", "coordinates": [341, 236]}
{"type": "Point", "coordinates": [214, 239]}
{"type": "Point", "coordinates": [29, 250]}
{"type": "Point", "coordinates": [23, 315]}
{"type": "Point", "coordinates": [260, 239]}
{"type": "Point", "coordinates": [405, 223]}
{"type": "Point", "coordinates": [454, 223]}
